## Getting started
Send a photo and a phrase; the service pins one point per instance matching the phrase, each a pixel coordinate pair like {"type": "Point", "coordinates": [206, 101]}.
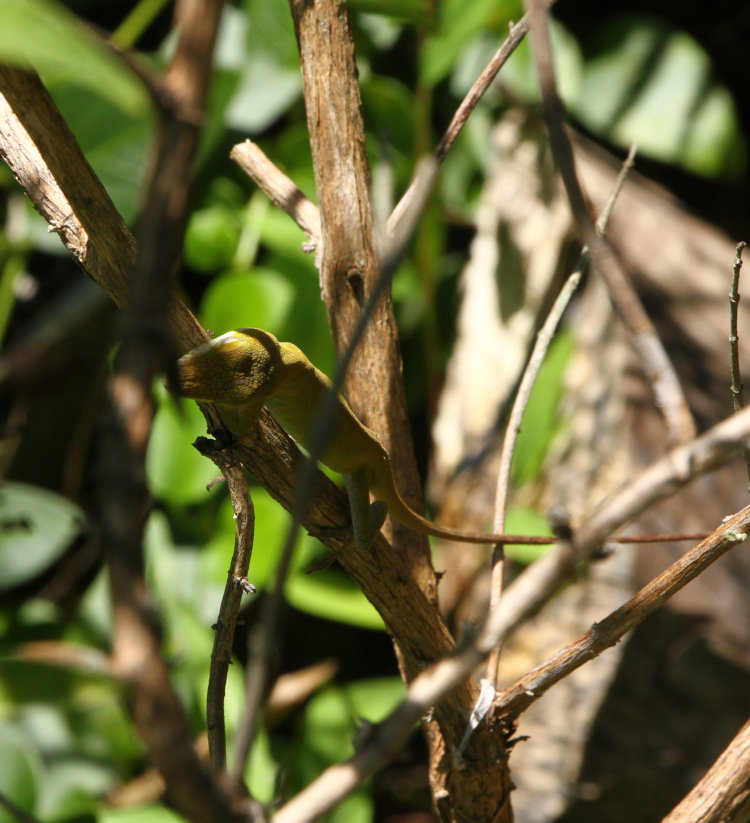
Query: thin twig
{"type": "Point", "coordinates": [607, 632]}
{"type": "Point", "coordinates": [659, 370]}
{"type": "Point", "coordinates": [84, 659]}
{"type": "Point", "coordinates": [606, 213]}
{"type": "Point", "coordinates": [279, 188]}
{"type": "Point", "coordinates": [544, 338]}
{"type": "Point", "coordinates": [226, 622]}
{"type": "Point", "coordinates": [723, 793]}
{"type": "Point", "coordinates": [521, 599]}
{"type": "Point", "coordinates": [458, 121]}
{"type": "Point", "coordinates": [263, 645]}
{"type": "Point", "coordinates": [738, 399]}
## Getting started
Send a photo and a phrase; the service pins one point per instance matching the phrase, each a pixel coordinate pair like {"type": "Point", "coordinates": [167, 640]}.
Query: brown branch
{"type": "Point", "coordinates": [723, 794]}
{"type": "Point", "coordinates": [656, 364]}
{"type": "Point", "coordinates": [543, 340]}
{"type": "Point", "coordinates": [738, 400]}
{"type": "Point", "coordinates": [349, 271]}
{"type": "Point", "coordinates": [226, 623]}
{"type": "Point", "coordinates": [466, 107]}
{"type": "Point", "coordinates": [279, 188]}
{"type": "Point", "coordinates": [607, 632]}
{"type": "Point", "coordinates": [521, 599]}
{"type": "Point", "coordinates": [156, 710]}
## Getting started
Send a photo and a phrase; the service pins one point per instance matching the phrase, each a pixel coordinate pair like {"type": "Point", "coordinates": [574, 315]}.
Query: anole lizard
{"type": "Point", "coordinates": [242, 371]}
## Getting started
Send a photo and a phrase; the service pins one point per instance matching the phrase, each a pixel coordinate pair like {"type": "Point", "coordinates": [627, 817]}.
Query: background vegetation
{"type": "Point", "coordinates": [66, 741]}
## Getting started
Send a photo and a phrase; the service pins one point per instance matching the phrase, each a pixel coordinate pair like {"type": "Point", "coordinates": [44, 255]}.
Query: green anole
{"type": "Point", "coordinates": [243, 370]}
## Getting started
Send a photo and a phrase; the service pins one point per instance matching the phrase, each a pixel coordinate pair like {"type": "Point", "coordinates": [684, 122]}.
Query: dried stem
{"type": "Point", "coordinates": [521, 599]}
{"type": "Point", "coordinates": [738, 400]}
{"type": "Point", "coordinates": [244, 516]}
{"type": "Point", "coordinates": [543, 340]}
{"type": "Point", "coordinates": [656, 364]}
{"type": "Point", "coordinates": [723, 794]}
{"type": "Point", "coordinates": [607, 632]}
{"type": "Point", "coordinates": [461, 115]}
{"type": "Point", "coordinates": [279, 188]}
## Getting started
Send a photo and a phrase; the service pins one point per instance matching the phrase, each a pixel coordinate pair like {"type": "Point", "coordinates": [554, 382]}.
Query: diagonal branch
{"type": "Point", "coordinates": [723, 793]}
{"type": "Point", "coordinates": [279, 189]}
{"type": "Point", "coordinates": [521, 599]}
{"type": "Point", "coordinates": [607, 632]}
{"type": "Point", "coordinates": [604, 260]}
{"type": "Point", "coordinates": [458, 121]}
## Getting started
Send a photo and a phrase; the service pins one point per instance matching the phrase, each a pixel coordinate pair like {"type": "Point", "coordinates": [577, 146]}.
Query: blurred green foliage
{"type": "Point", "coordinates": [64, 737]}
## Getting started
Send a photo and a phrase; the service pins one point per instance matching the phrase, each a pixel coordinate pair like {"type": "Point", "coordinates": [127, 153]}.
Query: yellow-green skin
{"type": "Point", "coordinates": [243, 370]}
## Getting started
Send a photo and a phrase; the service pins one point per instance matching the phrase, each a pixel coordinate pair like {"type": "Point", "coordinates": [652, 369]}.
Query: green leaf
{"type": "Point", "coordinates": [417, 12]}
{"type": "Point", "coordinates": [375, 698]}
{"type": "Point", "coordinates": [519, 73]}
{"type": "Point", "coordinates": [329, 725]}
{"type": "Point", "coordinates": [540, 420]}
{"type": "Point", "coordinates": [71, 785]}
{"type": "Point", "coordinates": [211, 238]}
{"type": "Point", "coordinates": [36, 527]}
{"type": "Point", "coordinates": [114, 140]}
{"type": "Point", "coordinates": [20, 772]}
{"type": "Point", "coordinates": [333, 596]}
{"type": "Point", "coordinates": [177, 472]}
{"type": "Point", "coordinates": [522, 520]}
{"type": "Point", "coordinates": [458, 22]}
{"type": "Point", "coordinates": [388, 109]}
{"type": "Point", "coordinates": [357, 808]}
{"type": "Point", "coordinates": [262, 770]}
{"type": "Point", "coordinates": [140, 814]}
{"type": "Point", "coordinates": [23, 681]}
{"type": "Point", "coordinates": [648, 83]}
{"type": "Point", "coordinates": [45, 36]}
{"type": "Point", "coordinates": [259, 48]}
{"type": "Point", "coordinates": [271, 31]}
{"type": "Point", "coordinates": [235, 300]}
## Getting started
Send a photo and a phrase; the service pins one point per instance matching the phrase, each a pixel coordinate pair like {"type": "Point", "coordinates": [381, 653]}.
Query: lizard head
{"type": "Point", "coordinates": [233, 369]}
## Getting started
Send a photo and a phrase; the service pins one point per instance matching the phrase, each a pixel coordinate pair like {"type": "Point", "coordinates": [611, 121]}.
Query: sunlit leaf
{"type": "Point", "coordinates": [333, 596]}
{"type": "Point", "coordinates": [650, 84]}
{"type": "Point", "coordinates": [177, 472]}
{"type": "Point", "coordinates": [412, 11]}
{"type": "Point", "coordinates": [20, 772]}
{"type": "Point", "coordinates": [235, 300]}
{"type": "Point", "coordinates": [139, 814]}
{"type": "Point", "coordinates": [541, 420]}
{"type": "Point", "coordinates": [44, 35]}
{"type": "Point", "coordinates": [373, 699]}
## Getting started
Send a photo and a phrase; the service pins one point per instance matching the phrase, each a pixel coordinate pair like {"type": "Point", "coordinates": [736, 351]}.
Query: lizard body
{"type": "Point", "coordinates": [242, 371]}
